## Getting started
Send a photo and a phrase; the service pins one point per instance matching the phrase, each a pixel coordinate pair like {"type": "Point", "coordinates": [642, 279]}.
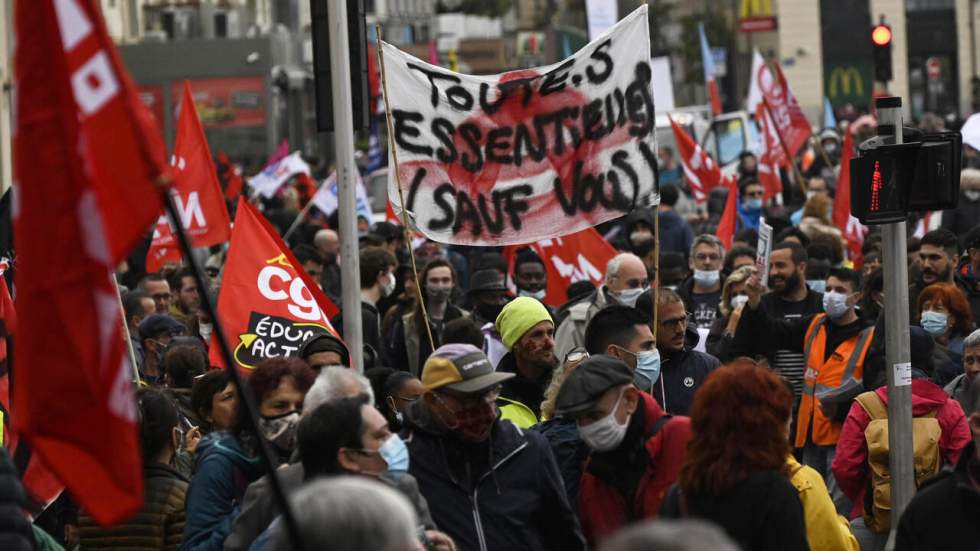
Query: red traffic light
{"type": "Point", "coordinates": [881, 35]}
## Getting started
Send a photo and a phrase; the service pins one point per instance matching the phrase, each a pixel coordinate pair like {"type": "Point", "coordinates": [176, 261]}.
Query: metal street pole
{"type": "Point", "coordinates": [343, 124]}
{"type": "Point", "coordinates": [897, 356]}
{"type": "Point", "coordinates": [6, 86]}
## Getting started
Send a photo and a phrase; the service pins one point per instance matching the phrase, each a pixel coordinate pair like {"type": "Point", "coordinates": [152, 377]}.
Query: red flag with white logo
{"type": "Point", "coordinates": [268, 305]}
{"type": "Point", "coordinates": [700, 169]}
{"type": "Point", "coordinates": [770, 155]}
{"type": "Point", "coordinates": [197, 192]}
{"type": "Point", "coordinates": [853, 230]}
{"type": "Point", "coordinates": [788, 118]}
{"type": "Point", "coordinates": [87, 157]}
{"type": "Point", "coordinates": [580, 256]}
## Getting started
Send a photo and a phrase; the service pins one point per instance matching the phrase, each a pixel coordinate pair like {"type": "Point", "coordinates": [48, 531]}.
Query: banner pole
{"type": "Point", "coordinates": [251, 420]}
{"type": "Point", "coordinates": [655, 295]}
{"type": "Point", "coordinates": [126, 333]}
{"type": "Point", "coordinates": [300, 217]}
{"type": "Point", "coordinates": [401, 194]}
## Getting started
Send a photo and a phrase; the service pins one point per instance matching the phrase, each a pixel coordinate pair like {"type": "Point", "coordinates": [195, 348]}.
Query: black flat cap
{"type": "Point", "coordinates": [590, 380]}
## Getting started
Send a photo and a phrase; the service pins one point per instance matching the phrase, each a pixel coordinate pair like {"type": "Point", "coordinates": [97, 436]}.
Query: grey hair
{"type": "Point", "coordinates": [670, 535]}
{"type": "Point", "coordinates": [333, 383]}
{"type": "Point", "coordinates": [973, 339]}
{"type": "Point", "coordinates": [612, 267]}
{"type": "Point", "coordinates": [708, 239]}
{"type": "Point", "coordinates": [366, 513]}
{"type": "Point", "coordinates": [321, 236]}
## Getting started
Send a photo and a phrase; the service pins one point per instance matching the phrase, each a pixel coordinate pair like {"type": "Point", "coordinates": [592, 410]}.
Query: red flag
{"type": "Point", "coordinates": [771, 155]}
{"type": "Point", "coordinates": [788, 118]}
{"type": "Point", "coordinates": [853, 230]}
{"type": "Point", "coordinates": [87, 156]}
{"type": "Point", "coordinates": [196, 191]}
{"type": "Point", "coordinates": [580, 256]}
{"type": "Point", "coordinates": [158, 256]}
{"type": "Point", "coordinates": [232, 176]}
{"type": "Point", "coordinates": [390, 215]}
{"type": "Point", "coordinates": [701, 171]}
{"type": "Point", "coordinates": [729, 217]}
{"type": "Point", "coordinates": [268, 305]}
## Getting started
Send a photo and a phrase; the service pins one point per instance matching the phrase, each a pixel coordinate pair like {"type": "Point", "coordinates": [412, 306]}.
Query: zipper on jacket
{"type": "Point", "coordinates": [476, 491]}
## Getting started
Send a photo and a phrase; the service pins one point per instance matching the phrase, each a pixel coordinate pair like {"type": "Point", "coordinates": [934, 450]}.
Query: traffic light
{"type": "Point", "coordinates": [357, 37]}
{"type": "Point", "coordinates": [881, 43]}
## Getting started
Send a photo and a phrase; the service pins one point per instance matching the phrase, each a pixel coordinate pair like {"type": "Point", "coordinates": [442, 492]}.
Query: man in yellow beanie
{"type": "Point", "coordinates": [528, 333]}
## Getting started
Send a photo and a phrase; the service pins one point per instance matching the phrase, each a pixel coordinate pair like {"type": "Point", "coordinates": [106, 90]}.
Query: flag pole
{"type": "Point", "coordinates": [251, 420]}
{"type": "Point", "coordinates": [126, 333]}
{"type": "Point", "coordinates": [798, 176]}
{"type": "Point", "coordinates": [401, 194]}
{"type": "Point", "coordinates": [300, 217]}
{"type": "Point", "coordinates": [655, 295]}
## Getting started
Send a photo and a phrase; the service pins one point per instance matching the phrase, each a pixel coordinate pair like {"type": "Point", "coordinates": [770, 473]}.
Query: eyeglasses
{"type": "Point", "coordinates": [713, 257]}
{"type": "Point", "coordinates": [676, 322]}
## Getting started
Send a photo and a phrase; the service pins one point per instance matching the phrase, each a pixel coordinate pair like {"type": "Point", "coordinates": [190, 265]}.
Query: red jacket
{"type": "Point", "coordinates": [851, 460]}
{"type": "Point", "coordinates": [603, 509]}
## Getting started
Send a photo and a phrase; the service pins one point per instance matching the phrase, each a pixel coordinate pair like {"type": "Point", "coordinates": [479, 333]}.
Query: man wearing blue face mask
{"type": "Point", "coordinates": [624, 333]}
{"type": "Point", "coordinates": [835, 346]}
{"type": "Point", "coordinates": [636, 449]}
{"type": "Point", "coordinates": [751, 194]}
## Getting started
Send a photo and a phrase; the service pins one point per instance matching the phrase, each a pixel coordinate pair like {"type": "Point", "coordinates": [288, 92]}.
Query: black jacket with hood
{"type": "Point", "coordinates": [503, 494]}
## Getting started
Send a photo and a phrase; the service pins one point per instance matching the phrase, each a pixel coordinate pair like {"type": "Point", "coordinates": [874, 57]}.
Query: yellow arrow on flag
{"type": "Point", "coordinates": [247, 339]}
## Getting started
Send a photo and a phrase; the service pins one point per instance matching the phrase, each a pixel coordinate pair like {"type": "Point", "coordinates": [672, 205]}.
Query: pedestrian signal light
{"type": "Point", "coordinates": [881, 35]}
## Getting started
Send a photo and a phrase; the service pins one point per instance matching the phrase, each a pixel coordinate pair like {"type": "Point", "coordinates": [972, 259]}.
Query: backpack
{"type": "Point", "coordinates": [927, 459]}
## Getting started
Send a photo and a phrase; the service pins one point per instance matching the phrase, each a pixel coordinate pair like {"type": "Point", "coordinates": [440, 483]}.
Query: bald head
{"type": "Point", "coordinates": [327, 242]}
{"type": "Point", "coordinates": [623, 271]}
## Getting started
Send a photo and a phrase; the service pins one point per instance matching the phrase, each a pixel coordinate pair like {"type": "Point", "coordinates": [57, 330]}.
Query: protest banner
{"type": "Point", "coordinates": [701, 171]}
{"type": "Point", "coordinates": [88, 159]}
{"type": "Point", "coordinates": [581, 256]}
{"type": "Point", "coordinates": [196, 191]}
{"type": "Point", "coordinates": [277, 173]}
{"type": "Point", "coordinates": [763, 251]}
{"type": "Point", "coordinates": [268, 304]}
{"type": "Point", "coordinates": [526, 155]}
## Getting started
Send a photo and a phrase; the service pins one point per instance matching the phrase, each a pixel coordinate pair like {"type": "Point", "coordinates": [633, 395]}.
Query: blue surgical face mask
{"type": "Point", "coordinates": [934, 322]}
{"type": "Point", "coordinates": [395, 454]}
{"type": "Point", "coordinates": [835, 304]}
{"type": "Point", "coordinates": [817, 285]}
{"type": "Point", "coordinates": [753, 204]}
{"type": "Point", "coordinates": [647, 369]}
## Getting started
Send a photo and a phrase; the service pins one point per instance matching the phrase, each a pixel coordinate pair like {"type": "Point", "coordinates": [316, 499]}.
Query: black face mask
{"type": "Point", "coordinates": [489, 312]}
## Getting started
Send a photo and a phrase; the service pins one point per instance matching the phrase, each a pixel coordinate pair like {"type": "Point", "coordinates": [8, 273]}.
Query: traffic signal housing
{"type": "Point", "coordinates": [881, 44]}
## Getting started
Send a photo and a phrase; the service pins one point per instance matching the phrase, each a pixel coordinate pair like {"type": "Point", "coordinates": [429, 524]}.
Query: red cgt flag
{"type": "Point", "coordinates": [701, 171]}
{"type": "Point", "coordinates": [268, 305]}
{"type": "Point", "coordinates": [580, 256]}
{"type": "Point", "coordinates": [87, 156]}
{"type": "Point", "coordinates": [787, 116]}
{"type": "Point", "coordinates": [196, 192]}
{"type": "Point", "coordinates": [771, 155]}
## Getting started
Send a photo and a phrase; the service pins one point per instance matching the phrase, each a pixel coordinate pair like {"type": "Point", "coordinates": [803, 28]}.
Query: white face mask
{"type": "Point", "coordinates": [629, 297]}
{"type": "Point", "coordinates": [738, 300]}
{"type": "Point", "coordinates": [539, 295]}
{"type": "Point", "coordinates": [205, 329]}
{"type": "Point", "coordinates": [707, 278]}
{"type": "Point", "coordinates": [389, 287]}
{"type": "Point", "coordinates": [835, 304]}
{"type": "Point", "coordinates": [606, 433]}
{"type": "Point", "coordinates": [972, 194]}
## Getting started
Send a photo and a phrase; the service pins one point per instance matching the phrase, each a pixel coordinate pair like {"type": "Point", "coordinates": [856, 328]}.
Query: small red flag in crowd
{"type": "Point", "coordinates": [787, 116]}
{"type": "Point", "coordinates": [232, 176]}
{"type": "Point", "coordinates": [729, 217]}
{"type": "Point", "coordinates": [853, 230]}
{"type": "Point", "coordinates": [268, 305]}
{"type": "Point", "coordinates": [87, 157]}
{"type": "Point", "coordinates": [580, 256]}
{"type": "Point", "coordinates": [771, 155]}
{"type": "Point", "coordinates": [196, 191]}
{"type": "Point", "coordinates": [701, 171]}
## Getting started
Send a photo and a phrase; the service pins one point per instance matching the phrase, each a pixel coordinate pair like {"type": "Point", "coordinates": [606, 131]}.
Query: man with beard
{"type": "Point", "coordinates": [939, 255]}
{"type": "Point", "coordinates": [528, 332]}
{"type": "Point", "coordinates": [489, 485]}
{"type": "Point", "coordinates": [790, 299]}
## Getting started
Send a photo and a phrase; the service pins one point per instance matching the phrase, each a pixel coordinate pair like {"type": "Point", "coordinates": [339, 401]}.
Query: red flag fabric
{"type": "Point", "coordinates": [87, 156]}
{"type": "Point", "coordinates": [701, 171]}
{"type": "Point", "coordinates": [789, 120]}
{"type": "Point", "coordinates": [729, 217]}
{"type": "Point", "coordinates": [232, 177]}
{"type": "Point", "coordinates": [580, 256]}
{"type": "Point", "coordinates": [268, 305]}
{"type": "Point", "coordinates": [158, 256]}
{"type": "Point", "coordinates": [770, 155]}
{"type": "Point", "coordinates": [196, 191]}
{"type": "Point", "coordinates": [853, 230]}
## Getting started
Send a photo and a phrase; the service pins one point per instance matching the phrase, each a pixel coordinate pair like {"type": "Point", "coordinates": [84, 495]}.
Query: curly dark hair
{"type": "Point", "coordinates": [738, 427]}
{"type": "Point", "coordinates": [269, 373]}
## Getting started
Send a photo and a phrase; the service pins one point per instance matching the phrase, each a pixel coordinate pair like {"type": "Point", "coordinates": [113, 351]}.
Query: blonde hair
{"type": "Point", "coordinates": [740, 275]}
{"type": "Point", "coordinates": [551, 394]}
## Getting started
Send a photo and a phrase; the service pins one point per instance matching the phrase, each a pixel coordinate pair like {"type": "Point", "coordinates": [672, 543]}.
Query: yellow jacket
{"type": "Point", "coordinates": [825, 529]}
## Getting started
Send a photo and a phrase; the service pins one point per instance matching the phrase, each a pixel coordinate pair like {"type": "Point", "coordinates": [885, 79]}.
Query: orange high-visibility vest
{"type": "Point", "coordinates": [844, 369]}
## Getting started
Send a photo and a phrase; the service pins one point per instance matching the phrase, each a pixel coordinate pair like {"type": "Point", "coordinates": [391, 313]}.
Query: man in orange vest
{"type": "Point", "coordinates": [835, 345]}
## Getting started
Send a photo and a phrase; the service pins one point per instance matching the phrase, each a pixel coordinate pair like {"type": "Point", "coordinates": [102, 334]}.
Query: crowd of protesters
{"type": "Point", "coordinates": [736, 415]}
